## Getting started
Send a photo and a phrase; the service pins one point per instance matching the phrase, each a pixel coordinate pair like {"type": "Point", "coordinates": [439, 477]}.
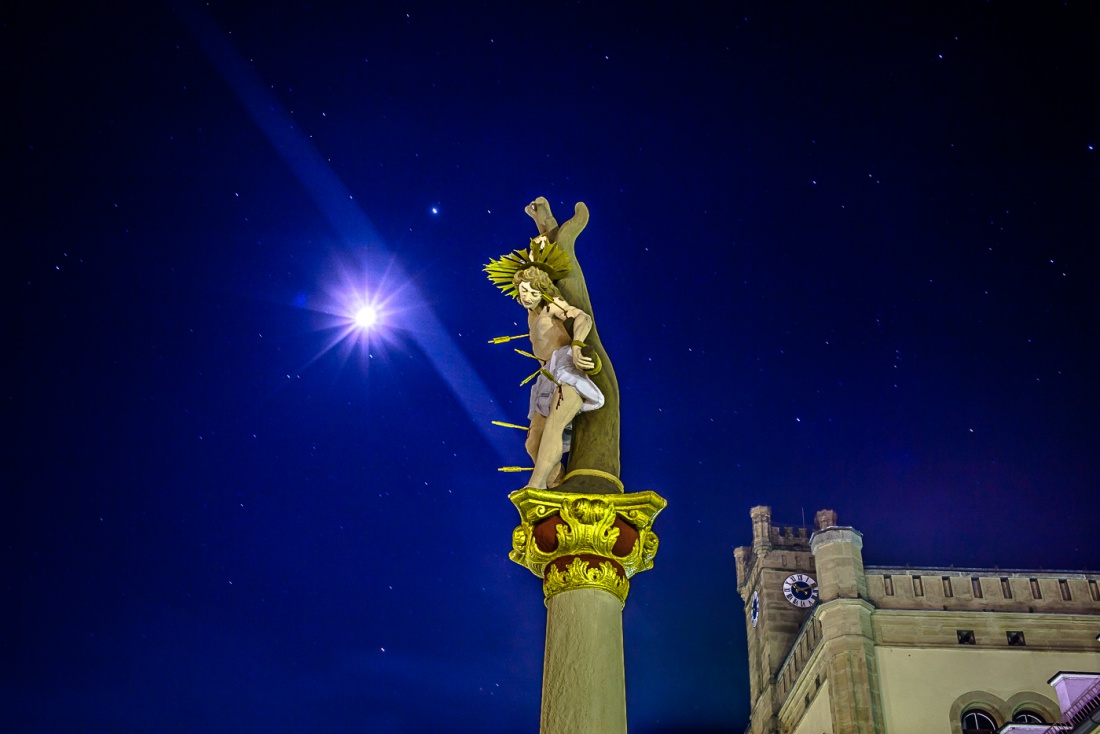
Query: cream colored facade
{"type": "Point", "coordinates": [903, 650]}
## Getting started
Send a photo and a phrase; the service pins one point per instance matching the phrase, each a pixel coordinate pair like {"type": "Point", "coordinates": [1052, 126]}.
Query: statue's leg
{"type": "Point", "coordinates": [550, 447]}
{"type": "Point", "coordinates": [557, 474]}
{"type": "Point", "coordinates": [534, 436]}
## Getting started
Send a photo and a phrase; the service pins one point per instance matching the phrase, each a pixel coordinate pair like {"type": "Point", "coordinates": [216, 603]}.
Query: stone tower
{"type": "Point", "coordinates": [772, 619]}
{"type": "Point", "coordinates": [847, 640]}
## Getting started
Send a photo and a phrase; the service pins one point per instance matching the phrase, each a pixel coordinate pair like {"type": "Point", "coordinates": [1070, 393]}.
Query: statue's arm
{"type": "Point", "coordinates": [582, 324]}
{"type": "Point", "coordinates": [539, 210]}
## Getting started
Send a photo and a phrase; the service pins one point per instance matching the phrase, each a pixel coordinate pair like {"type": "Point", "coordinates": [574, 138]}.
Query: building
{"type": "Point", "coordinates": [841, 648]}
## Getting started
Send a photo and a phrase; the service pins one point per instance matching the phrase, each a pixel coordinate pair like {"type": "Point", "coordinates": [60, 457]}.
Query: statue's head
{"type": "Point", "coordinates": [538, 266]}
{"type": "Point", "coordinates": [531, 285]}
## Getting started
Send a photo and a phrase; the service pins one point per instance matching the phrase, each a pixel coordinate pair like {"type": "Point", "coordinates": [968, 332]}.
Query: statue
{"type": "Point", "coordinates": [575, 380]}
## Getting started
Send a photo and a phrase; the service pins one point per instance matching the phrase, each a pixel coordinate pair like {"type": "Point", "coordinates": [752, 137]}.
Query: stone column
{"type": "Point", "coordinates": [847, 640]}
{"type": "Point", "coordinates": [583, 680]}
{"type": "Point", "coordinates": [585, 548]}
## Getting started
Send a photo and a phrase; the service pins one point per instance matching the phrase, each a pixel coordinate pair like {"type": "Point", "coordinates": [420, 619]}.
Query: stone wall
{"type": "Point", "coordinates": [928, 690]}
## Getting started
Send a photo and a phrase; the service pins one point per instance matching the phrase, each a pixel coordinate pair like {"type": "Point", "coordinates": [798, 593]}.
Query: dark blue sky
{"type": "Point", "coordinates": [841, 257]}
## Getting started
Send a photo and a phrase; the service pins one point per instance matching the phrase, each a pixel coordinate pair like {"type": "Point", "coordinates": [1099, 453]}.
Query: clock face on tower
{"type": "Point", "coordinates": [755, 613]}
{"type": "Point", "coordinates": [800, 590]}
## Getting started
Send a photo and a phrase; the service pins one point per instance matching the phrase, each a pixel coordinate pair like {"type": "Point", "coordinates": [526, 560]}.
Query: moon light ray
{"type": "Point", "coordinates": [347, 219]}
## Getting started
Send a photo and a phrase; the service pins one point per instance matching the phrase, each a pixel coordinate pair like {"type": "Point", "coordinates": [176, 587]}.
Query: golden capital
{"type": "Point", "coordinates": [585, 541]}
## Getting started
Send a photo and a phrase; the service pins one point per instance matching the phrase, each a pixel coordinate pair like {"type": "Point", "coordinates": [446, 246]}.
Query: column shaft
{"type": "Point", "coordinates": [583, 682]}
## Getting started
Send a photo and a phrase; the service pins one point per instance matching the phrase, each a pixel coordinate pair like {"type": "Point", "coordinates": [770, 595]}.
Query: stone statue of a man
{"type": "Point", "coordinates": [571, 384]}
{"type": "Point", "coordinates": [562, 389]}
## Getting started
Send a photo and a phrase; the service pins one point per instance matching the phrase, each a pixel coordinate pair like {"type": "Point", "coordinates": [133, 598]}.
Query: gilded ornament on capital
{"type": "Point", "coordinates": [580, 574]}
{"type": "Point", "coordinates": [519, 536]}
{"type": "Point", "coordinates": [586, 528]}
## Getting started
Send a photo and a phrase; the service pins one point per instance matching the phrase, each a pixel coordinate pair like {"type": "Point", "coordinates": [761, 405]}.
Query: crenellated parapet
{"type": "Point", "coordinates": [576, 541]}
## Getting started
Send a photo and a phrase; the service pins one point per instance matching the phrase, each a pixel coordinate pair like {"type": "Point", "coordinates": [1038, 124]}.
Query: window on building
{"type": "Point", "coordinates": [1027, 717]}
{"type": "Point", "coordinates": [978, 720]}
{"type": "Point", "coordinates": [1016, 638]}
{"type": "Point", "coordinates": [888, 584]}
{"type": "Point", "coordinates": [918, 586]}
{"type": "Point", "coordinates": [976, 585]}
{"type": "Point", "coordinates": [1094, 590]}
{"type": "Point", "coordinates": [1063, 586]}
{"type": "Point", "coordinates": [947, 587]}
{"type": "Point", "coordinates": [1006, 589]}
{"type": "Point", "coordinates": [966, 637]}
{"type": "Point", "coordinates": [1035, 591]}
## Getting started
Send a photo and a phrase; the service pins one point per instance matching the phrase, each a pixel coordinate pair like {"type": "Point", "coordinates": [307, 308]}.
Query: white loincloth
{"type": "Point", "coordinates": [564, 371]}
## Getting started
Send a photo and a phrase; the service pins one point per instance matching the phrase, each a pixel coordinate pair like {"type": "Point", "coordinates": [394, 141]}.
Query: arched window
{"type": "Point", "coordinates": [978, 720]}
{"type": "Point", "coordinates": [1027, 717]}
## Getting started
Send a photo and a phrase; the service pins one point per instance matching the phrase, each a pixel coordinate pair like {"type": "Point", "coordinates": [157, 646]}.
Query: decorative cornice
{"type": "Point", "coordinates": [963, 571]}
{"type": "Point", "coordinates": [578, 541]}
{"type": "Point", "coordinates": [825, 607]}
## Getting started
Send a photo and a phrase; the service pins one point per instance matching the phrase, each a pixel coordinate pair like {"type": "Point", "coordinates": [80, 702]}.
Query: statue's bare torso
{"type": "Point", "coordinates": [545, 322]}
{"type": "Point", "coordinates": [548, 334]}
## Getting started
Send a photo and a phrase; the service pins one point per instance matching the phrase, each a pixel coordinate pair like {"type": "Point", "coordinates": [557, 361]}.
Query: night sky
{"type": "Point", "coordinates": [841, 257]}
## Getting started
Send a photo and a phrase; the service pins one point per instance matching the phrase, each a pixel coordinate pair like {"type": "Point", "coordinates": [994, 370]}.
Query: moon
{"type": "Point", "coordinates": [366, 317]}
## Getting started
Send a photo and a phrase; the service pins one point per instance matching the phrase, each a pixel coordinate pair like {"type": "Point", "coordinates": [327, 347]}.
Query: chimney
{"type": "Point", "coordinates": [825, 519]}
{"type": "Point", "coordinates": [761, 529]}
